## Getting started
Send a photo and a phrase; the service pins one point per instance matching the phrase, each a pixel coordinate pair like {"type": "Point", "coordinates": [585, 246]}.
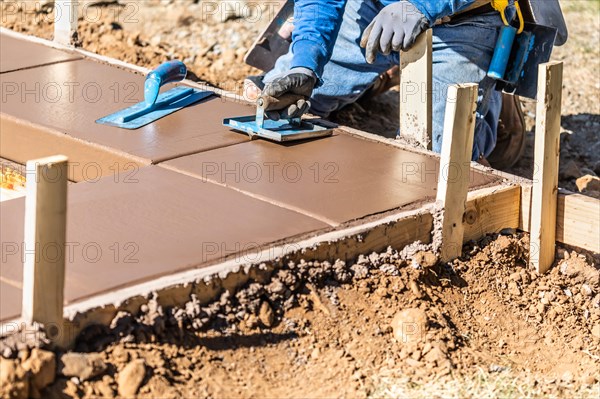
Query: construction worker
{"type": "Point", "coordinates": [341, 48]}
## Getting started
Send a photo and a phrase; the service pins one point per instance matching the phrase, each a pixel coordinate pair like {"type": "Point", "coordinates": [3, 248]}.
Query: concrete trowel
{"type": "Point", "coordinates": [155, 105]}
{"type": "Point", "coordinates": [281, 130]}
{"type": "Point", "coordinates": [274, 41]}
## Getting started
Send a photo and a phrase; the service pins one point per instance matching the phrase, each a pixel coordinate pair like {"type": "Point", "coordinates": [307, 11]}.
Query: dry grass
{"type": "Point", "coordinates": [481, 385]}
{"type": "Point", "coordinates": [580, 5]}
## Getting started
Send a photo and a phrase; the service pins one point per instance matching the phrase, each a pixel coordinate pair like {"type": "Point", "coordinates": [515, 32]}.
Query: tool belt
{"type": "Point", "coordinates": [471, 12]}
{"type": "Point", "coordinates": [542, 12]}
{"type": "Point", "coordinates": [481, 7]}
{"type": "Point", "coordinates": [478, 8]}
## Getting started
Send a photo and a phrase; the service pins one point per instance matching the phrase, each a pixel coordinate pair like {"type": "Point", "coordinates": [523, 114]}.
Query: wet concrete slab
{"type": "Point", "coordinates": [18, 54]}
{"type": "Point", "coordinates": [155, 223]}
{"type": "Point", "coordinates": [21, 141]}
{"type": "Point", "coordinates": [69, 97]}
{"type": "Point", "coordinates": [10, 301]}
{"type": "Point", "coordinates": [334, 179]}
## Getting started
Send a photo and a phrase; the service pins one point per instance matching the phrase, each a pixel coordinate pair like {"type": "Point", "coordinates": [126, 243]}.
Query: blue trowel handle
{"type": "Point", "coordinates": [168, 72]}
{"type": "Point", "coordinates": [502, 52]}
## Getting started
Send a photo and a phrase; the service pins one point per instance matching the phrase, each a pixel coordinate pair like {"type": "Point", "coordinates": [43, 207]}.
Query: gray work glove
{"type": "Point", "coordinates": [293, 88]}
{"type": "Point", "coordinates": [396, 28]}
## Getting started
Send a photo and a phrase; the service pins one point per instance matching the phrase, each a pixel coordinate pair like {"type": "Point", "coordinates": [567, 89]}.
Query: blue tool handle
{"type": "Point", "coordinates": [168, 72]}
{"type": "Point", "coordinates": [504, 45]}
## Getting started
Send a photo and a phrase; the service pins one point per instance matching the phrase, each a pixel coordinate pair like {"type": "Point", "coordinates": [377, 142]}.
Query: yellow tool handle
{"type": "Point", "coordinates": [502, 5]}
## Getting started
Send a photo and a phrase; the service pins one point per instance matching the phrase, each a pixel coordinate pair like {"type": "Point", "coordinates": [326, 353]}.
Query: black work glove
{"type": "Point", "coordinates": [293, 88]}
{"type": "Point", "coordinates": [396, 28]}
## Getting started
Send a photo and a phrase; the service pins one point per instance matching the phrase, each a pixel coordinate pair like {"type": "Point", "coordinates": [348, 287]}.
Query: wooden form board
{"type": "Point", "coordinates": [577, 219]}
{"type": "Point", "coordinates": [491, 210]}
{"type": "Point", "coordinates": [544, 194]}
{"type": "Point", "coordinates": [416, 92]}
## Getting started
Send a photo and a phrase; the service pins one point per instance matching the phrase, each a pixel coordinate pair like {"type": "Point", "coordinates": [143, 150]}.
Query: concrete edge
{"type": "Point", "coordinates": [398, 230]}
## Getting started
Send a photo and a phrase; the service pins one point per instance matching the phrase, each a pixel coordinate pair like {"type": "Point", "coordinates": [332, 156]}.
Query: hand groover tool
{"type": "Point", "coordinates": [281, 130]}
{"type": "Point", "coordinates": [155, 105]}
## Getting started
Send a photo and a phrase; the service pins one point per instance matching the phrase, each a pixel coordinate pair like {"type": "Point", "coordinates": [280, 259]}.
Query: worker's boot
{"type": "Point", "coordinates": [511, 134]}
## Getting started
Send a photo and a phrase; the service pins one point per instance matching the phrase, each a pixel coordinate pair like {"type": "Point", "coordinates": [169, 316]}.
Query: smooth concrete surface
{"type": "Point", "coordinates": [155, 223]}
{"type": "Point", "coordinates": [216, 195]}
{"type": "Point", "coordinates": [335, 179]}
{"type": "Point", "coordinates": [70, 97]}
{"type": "Point", "coordinates": [21, 141]}
{"type": "Point", "coordinates": [18, 54]}
{"type": "Point", "coordinates": [10, 301]}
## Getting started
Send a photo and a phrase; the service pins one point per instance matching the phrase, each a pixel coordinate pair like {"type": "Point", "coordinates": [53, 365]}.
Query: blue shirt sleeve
{"type": "Point", "coordinates": [316, 26]}
{"type": "Point", "coordinates": [317, 23]}
{"type": "Point", "coordinates": [436, 9]}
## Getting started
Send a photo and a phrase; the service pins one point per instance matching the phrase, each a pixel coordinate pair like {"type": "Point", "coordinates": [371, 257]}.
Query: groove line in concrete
{"type": "Point", "coordinates": [259, 197]}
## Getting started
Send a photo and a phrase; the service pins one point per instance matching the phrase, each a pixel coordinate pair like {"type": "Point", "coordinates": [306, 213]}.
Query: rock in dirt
{"type": "Point", "coordinates": [30, 336]}
{"type": "Point", "coordinates": [266, 315]}
{"type": "Point", "coordinates": [414, 287]}
{"type": "Point", "coordinates": [131, 377]}
{"type": "Point", "coordinates": [315, 353]}
{"type": "Point", "coordinates": [409, 325]}
{"type": "Point", "coordinates": [14, 380]}
{"type": "Point", "coordinates": [104, 389]}
{"type": "Point", "coordinates": [62, 388]}
{"type": "Point", "coordinates": [160, 387]}
{"type": "Point", "coordinates": [120, 354]}
{"type": "Point", "coordinates": [437, 354]}
{"type": "Point", "coordinates": [577, 269]}
{"type": "Point", "coordinates": [588, 183]}
{"type": "Point", "coordinates": [567, 377]}
{"type": "Point", "coordinates": [424, 259]}
{"type": "Point", "coordinates": [513, 289]}
{"type": "Point", "coordinates": [590, 379]}
{"type": "Point", "coordinates": [81, 365]}
{"type": "Point", "coordinates": [42, 365]}
{"type": "Point", "coordinates": [596, 331]}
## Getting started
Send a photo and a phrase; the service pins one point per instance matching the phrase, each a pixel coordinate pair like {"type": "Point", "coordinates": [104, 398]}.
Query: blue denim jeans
{"type": "Point", "coordinates": [462, 52]}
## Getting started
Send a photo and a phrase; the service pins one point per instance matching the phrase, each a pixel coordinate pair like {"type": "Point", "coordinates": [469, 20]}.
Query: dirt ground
{"type": "Point", "coordinates": [482, 326]}
{"type": "Point", "coordinates": [390, 325]}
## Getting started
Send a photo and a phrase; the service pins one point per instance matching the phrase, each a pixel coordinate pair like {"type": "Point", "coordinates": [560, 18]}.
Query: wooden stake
{"type": "Point", "coordinates": [544, 193]}
{"type": "Point", "coordinates": [457, 148]}
{"type": "Point", "coordinates": [44, 252]}
{"type": "Point", "coordinates": [416, 92]}
{"type": "Point", "coordinates": [65, 21]}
